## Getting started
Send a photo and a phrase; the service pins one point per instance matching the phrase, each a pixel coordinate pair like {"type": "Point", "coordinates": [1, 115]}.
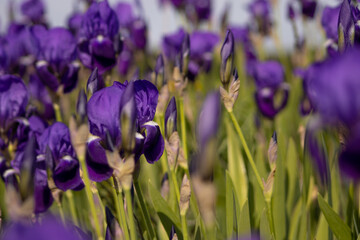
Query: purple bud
{"type": "Point", "coordinates": [94, 82]}
{"type": "Point", "coordinates": [291, 11]}
{"type": "Point", "coordinates": [170, 118]}
{"type": "Point", "coordinates": [227, 58]}
{"type": "Point", "coordinates": [346, 26]}
{"type": "Point", "coordinates": [118, 43]}
{"type": "Point", "coordinates": [209, 119]}
{"type": "Point", "coordinates": [160, 70]}
{"type": "Point", "coordinates": [27, 169]}
{"type": "Point", "coordinates": [128, 118]}
{"type": "Point", "coordinates": [185, 49]}
{"type": "Point", "coordinates": [81, 105]}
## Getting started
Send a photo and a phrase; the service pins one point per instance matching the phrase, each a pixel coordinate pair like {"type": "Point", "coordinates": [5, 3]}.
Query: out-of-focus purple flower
{"type": "Point", "coordinates": [49, 226]}
{"type": "Point", "coordinates": [241, 34]}
{"type": "Point", "coordinates": [227, 58]}
{"type": "Point", "coordinates": [308, 8]}
{"type": "Point", "coordinates": [96, 37]}
{"type": "Point", "coordinates": [159, 70]}
{"type": "Point", "coordinates": [56, 64]}
{"type": "Point", "coordinates": [202, 44]}
{"type": "Point", "coordinates": [34, 10]}
{"type": "Point", "coordinates": [40, 97]}
{"type": "Point", "coordinates": [170, 118]}
{"type": "Point", "coordinates": [21, 46]}
{"type": "Point", "coordinates": [125, 14]}
{"type": "Point", "coordinates": [3, 58]}
{"type": "Point", "coordinates": [332, 88]}
{"type": "Point", "coordinates": [291, 11]}
{"type": "Point", "coordinates": [66, 172]}
{"type": "Point", "coordinates": [13, 99]}
{"type": "Point", "coordinates": [209, 119]}
{"type": "Point", "coordinates": [349, 156]}
{"type": "Point", "coordinates": [172, 43]}
{"type": "Point", "coordinates": [261, 14]}
{"type": "Point", "coordinates": [329, 21]}
{"type": "Point", "coordinates": [42, 194]}
{"type": "Point", "coordinates": [74, 22]}
{"type": "Point", "coordinates": [269, 79]}
{"type": "Point", "coordinates": [198, 10]}
{"type": "Point", "coordinates": [346, 26]}
{"type": "Point", "coordinates": [139, 33]}
{"type": "Point", "coordinates": [124, 61]}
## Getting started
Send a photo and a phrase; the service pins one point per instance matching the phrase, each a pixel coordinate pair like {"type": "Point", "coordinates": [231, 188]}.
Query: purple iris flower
{"type": "Point", "coordinates": [349, 156]}
{"type": "Point", "coordinates": [346, 25]}
{"type": "Point", "coordinates": [308, 8]}
{"type": "Point", "coordinates": [40, 97]}
{"type": "Point", "coordinates": [74, 22]}
{"type": "Point", "coordinates": [21, 47]}
{"type": "Point", "coordinates": [56, 60]}
{"type": "Point", "coordinates": [33, 10]}
{"type": "Point", "coordinates": [172, 43]}
{"type": "Point", "coordinates": [98, 32]}
{"type": "Point", "coordinates": [3, 58]}
{"type": "Point", "coordinates": [329, 21]}
{"type": "Point", "coordinates": [49, 226]}
{"type": "Point", "coordinates": [66, 172]}
{"type": "Point", "coordinates": [104, 115]}
{"type": "Point", "coordinates": [13, 99]}
{"type": "Point", "coordinates": [198, 10]}
{"type": "Point", "coordinates": [202, 44]}
{"type": "Point", "coordinates": [241, 34]}
{"type": "Point", "coordinates": [209, 119]}
{"type": "Point", "coordinates": [261, 14]}
{"type": "Point", "coordinates": [269, 79]}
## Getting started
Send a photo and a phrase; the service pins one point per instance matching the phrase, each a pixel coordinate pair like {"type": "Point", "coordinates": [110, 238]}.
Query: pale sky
{"type": "Point", "coordinates": [165, 20]}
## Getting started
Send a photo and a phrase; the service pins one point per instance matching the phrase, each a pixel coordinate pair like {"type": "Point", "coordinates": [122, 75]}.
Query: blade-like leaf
{"type": "Point", "coordinates": [337, 225]}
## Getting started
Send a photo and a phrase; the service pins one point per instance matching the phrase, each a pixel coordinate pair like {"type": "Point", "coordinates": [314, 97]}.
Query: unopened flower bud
{"type": "Point", "coordinates": [272, 151]}
{"type": "Point", "coordinates": [94, 83]}
{"type": "Point", "coordinates": [227, 58]}
{"type": "Point", "coordinates": [81, 105]}
{"type": "Point", "coordinates": [170, 118]}
{"type": "Point", "coordinates": [346, 26]}
{"type": "Point", "coordinates": [185, 193]}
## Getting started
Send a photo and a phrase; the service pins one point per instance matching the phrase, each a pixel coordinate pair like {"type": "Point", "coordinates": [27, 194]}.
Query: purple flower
{"type": "Point", "coordinates": [349, 157]}
{"type": "Point", "coordinates": [34, 10]}
{"type": "Point", "coordinates": [332, 89]}
{"type": "Point", "coordinates": [66, 172]}
{"type": "Point", "coordinates": [172, 43]}
{"type": "Point", "coordinates": [241, 34]}
{"type": "Point", "coordinates": [96, 37]}
{"type": "Point", "coordinates": [107, 109]}
{"type": "Point", "coordinates": [209, 119]}
{"type": "Point", "coordinates": [170, 118]}
{"type": "Point", "coordinates": [202, 44]}
{"type": "Point", "coordinates": [198, 10]}
{"type": "Point", "coordinates": [13, 99]}
{"type": "Point", "coordinates": [329, 21]}
{"type": "Point", "coordinates": [74, 22]}
{"type": "Point", "coordinates": [125, 14]}
{"type": "Point", "coordinates": [40, 97]}
{"type": "Point", "coordinates": [49, 226]}
{"type": "Point", "coordinates": [308, 8]}
{"type": "Point", "coordinates": [269, 79]}
{"type": "Point", "coordinates": [56, 64]}
{"type": "Point", "coordinates": [260, 11]}
{"type": "Point", "coordinates": [139, 33]}
{"type": "Point", "coordinates": [227, 58]}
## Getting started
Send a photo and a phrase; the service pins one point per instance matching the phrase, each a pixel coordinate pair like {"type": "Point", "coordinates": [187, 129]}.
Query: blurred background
{"type": "Point", "coordinates": [165, 19]}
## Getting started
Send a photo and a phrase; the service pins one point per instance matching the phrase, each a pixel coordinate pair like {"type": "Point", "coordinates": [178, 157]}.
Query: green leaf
{"type": "Point", "coordinates": [245, 228]}
{"type": "Point", "coordinates": [293, 175]}
{"type": "Point", "coordinates": [337, 225]}
{"type": "Point", "coordinates": [167, 217]}
{"type": "Point", "coordinates": [264, 227]}
{"type": "Point", "coordinates": [229, 206]}
{"type": "Point", "coordinates": [278, 199]}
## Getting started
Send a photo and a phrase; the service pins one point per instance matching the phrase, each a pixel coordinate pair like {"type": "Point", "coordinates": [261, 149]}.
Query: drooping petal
{"type": "Point", "coordinates": [43, 196]}
{"type": "Point", "coordinates": [67, 175]}
{"type": "Point", "coordinates": [96, 161]}
{"type": "Point", "coordinates": [154, 143]}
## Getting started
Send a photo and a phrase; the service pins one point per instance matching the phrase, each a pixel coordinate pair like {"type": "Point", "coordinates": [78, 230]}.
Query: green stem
{"type": "Point", "coordinates": [176, 185]}
{"type": "Point", "coordinates": [120, 212]}
{"type": "Point", "coordinates": [184, 227]}
{"type": "Point", "coordinates": [183, 128]}
{"type": "Point", "coordinates": [61, 211]}
{"type": "Point", "coordinates": [90, 197]}
{"type": "Point", "coordinates": [270, 218]}
{"type": "Point", "coordinates": [57, 110]}
{"type": "Point", "coordinates": [144, 210]}
{"type": "Point", "coordinates": [247, 151]}
{"type": "Point", "coordinates": [130, 213]}
{"type": "Point", "coordinates": [69, 195]}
